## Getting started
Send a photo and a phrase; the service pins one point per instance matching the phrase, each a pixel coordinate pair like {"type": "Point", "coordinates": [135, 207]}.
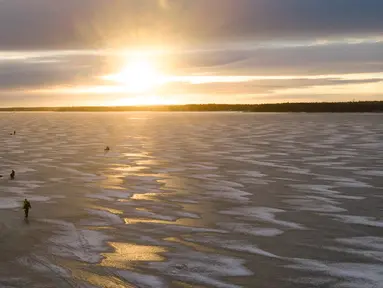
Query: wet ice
{"type": "Point", "coordinates": [208, 199]}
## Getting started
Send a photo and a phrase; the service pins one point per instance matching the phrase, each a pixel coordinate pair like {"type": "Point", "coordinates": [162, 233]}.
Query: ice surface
{"type": "Point", "coordinates": [367, 247]}
{"type": "Point", "coordinates": [235, 245]}
{"type": "Point", "coordinates": [347, 274]}
{"type": "Point", "coordinates": [43, 265]}
{"type": "Point", "coordinates": [362, 220]}
{"type": "Point", "coordinates": [191, 200]}
{"type": "Point", "coordinates": [108, 217]}
{"type": "Point", "coordinates": [83, 245]}
{"type": "Point", "coordinates": [378, 173]}
{"type": "Point", "coordinates": [366, 242]}
{"type": "Point", "coordinates": [265, 214]}
{"type": "Point", "coordinates": [9, 203]}
{"type": "Point", "coordinates": [141, 280]}
{"type": "Point", "coordinates": [201, 268]}
{"type": "Point", "coordinates": [250, 229]}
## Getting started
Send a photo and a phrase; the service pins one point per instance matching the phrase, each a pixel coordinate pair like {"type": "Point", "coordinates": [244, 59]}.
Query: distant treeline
{"type": "Point", "coordinates": [338, 107]}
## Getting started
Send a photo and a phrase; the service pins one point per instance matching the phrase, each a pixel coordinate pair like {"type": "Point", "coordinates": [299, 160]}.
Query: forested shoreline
{"type": "Point", "coordinates": [325, 107]}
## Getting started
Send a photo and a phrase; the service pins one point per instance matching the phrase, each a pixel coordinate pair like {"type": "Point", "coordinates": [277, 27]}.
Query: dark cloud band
{"type": "Point", "coordinates": [52, 24]}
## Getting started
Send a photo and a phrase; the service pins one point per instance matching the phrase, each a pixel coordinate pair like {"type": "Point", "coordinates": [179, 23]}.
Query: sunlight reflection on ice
{"type": "Point", "coordinates": [125, 253]}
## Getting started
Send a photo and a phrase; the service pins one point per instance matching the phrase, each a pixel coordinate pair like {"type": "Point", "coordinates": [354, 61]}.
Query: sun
{"type": "Point", "coordinates": [139, 75]}
{"type": "Point", "coordinates": [144, 100]}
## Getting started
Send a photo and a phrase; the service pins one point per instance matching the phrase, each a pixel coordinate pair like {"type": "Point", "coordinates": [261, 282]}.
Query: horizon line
{"type": "Point", "coordinates": [159, 106]}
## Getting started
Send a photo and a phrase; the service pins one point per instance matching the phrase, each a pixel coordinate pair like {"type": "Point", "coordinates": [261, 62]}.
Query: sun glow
{"type": "Point", "coordinates": [139, 75]}
{"type": "Point", "coordinates": [143, 100]}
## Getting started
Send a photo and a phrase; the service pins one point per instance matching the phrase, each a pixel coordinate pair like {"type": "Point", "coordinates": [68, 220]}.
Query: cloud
{"type": "Point", "coordinates": [260, 87]}
{"type": "Point", "coordinates": [33, 69]}
{"type": "Point", "coordinates": [322, 59]}
{"type": "Point", "coordinates": [329, 70]}
{"type": "Point", "coordinates": [32, 73]}
{"type": "Point", "coordinates": [55, 24]}
{"type": "Point", "coordinates": [164, 4]}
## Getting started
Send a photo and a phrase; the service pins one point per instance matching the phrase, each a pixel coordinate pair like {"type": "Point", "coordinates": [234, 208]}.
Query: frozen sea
{"type": "Point", "coordinates": [192, 200]}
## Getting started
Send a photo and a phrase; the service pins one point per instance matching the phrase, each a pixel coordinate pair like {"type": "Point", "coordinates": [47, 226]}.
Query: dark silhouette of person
{"type": "Point", "coordinates": [14, 132]}
{"type": "Point", "coordinates": [13, 173]}
{"type": "Point", "coordinates": [107, 148]}
{"type": "Point", "coordinates": [26, 207]}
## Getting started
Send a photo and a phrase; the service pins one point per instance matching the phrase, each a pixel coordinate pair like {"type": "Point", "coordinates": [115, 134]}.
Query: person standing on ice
{"type": "Point", "coordinates": [26, 207]}
{"type": "Point", "coordinates": [12, 175]}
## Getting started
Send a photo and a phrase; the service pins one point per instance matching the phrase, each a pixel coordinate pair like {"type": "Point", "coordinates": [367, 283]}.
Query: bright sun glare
{"type": "Point", "coordinates": [139, 75]}
{"type": "Point", "coordinates": [138, 79]}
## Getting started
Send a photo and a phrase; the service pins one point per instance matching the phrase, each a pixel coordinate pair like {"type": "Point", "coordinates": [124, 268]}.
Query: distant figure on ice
{"type": "Point", "coordinates": [107, 148]}
{"type": "Point", "coordinates": [13, 173]}
{"type": "Point", "coordinates": [26, 207]}
{"type": "Point", "coordinates": [14, 132]}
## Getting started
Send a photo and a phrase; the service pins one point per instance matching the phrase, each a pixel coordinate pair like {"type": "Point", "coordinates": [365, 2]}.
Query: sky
{"type": "Point", "coordinates": [140, 52]}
